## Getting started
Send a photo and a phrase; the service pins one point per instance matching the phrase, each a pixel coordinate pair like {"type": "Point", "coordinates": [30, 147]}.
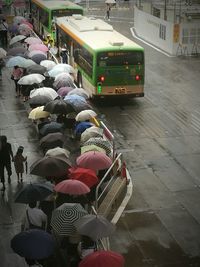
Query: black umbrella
{"type": "Point", "coordinates": [36, 69]}
{"type": "Point", "coordinates": [52, 140]}
{"type": "Point", "coordinates": [50, 166]}
{"type": "Point", "coordinates": [33, 244]}
{"type": "Point", "coordinates": [51, 127]}
{"type": "Point", "coordinates": [33, 192]}
{"type": "Point", "coordinates": [58, 106]}
{"type": "Point", "coordinates": [39, 100]}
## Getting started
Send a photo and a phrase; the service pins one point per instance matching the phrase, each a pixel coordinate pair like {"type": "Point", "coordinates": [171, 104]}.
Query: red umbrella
{"type": "Point", "coordinates": [72, 187]}
{"type": "Point", "coordinates": [103, 258]}
{"type": "Point", "coordinates": [94, 160]}
{"type": "Point", "coordinates": [87, 176]}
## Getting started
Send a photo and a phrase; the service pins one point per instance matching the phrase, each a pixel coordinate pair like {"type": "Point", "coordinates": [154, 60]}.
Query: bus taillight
{"type": "Point", "coordinates": [101, 79]}
{"type": "Point", "coordinates": [137, 77]}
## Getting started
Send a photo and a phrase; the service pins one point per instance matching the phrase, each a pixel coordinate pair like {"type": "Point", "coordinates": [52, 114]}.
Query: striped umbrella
{"type": "Point", "coordinates": [100, 142]}
{"type": "Point", "coordinates": [64, 217]}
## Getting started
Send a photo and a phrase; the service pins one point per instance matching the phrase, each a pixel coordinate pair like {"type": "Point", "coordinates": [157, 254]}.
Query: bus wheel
{"type": "Point", "coordinates": [79, 80]}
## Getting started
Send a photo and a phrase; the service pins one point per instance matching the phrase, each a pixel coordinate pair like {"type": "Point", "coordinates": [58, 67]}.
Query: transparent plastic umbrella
{"type": "Point", "coordinates": [85, 115]}
{"type": "Point", "coordinates": [49, 64]}
{"type": "Point", "coordinates": [19, 61]}
{"type": "Point", "coordinates": [31, 79]}
{"type": "Point", "coordinates": [47, 91]}
{"type": "Point", "coordinates": [17, 38]}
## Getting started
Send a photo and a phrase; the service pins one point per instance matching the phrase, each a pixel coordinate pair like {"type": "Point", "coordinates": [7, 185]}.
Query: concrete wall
{"type": "Point", "coordinates": [183, 38]}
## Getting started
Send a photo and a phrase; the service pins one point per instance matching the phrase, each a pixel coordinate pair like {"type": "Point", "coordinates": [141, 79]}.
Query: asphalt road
{"type": "Point", "coordinates": [159, 137]}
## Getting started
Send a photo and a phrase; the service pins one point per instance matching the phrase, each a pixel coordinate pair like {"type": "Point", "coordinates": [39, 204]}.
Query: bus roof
{"type": "Point", "coordinates": [53, 5]}
{"type": "Point", "coordinates": [95, 33]}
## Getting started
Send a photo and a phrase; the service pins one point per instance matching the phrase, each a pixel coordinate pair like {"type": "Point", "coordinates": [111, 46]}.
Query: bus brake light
{"type": "Point", "coordinates": [137, 77]}
{"type": "Point", "coordinates": [99, 88]}
{"type": "Point", "coordinates": [102, 79]}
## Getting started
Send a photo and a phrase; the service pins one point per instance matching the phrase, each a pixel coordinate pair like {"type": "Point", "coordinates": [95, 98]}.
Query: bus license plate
{"type": "Point", "coordinates": [120, 90]}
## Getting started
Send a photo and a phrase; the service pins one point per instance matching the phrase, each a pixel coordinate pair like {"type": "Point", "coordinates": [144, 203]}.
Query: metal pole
{"type": "Point", "coordinates": [165, 10]}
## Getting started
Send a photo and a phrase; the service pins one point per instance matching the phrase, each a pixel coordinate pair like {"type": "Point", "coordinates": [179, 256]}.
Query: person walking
{"type": "Point", "coordinates": [19, 161]}
{"type": "Point", "coordinates": [108, 9]}
{"type": "Point", "coordinates": [34, 218]}
{"type": "Point", "coordinates": [4, 33]}
{"type": "Point", "coordinates": [6, 154]}
{"type": "Point", "coordinates": [17, 73]}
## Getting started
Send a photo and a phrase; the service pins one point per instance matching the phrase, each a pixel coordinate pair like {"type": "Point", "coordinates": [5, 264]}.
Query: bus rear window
{"type": "Point", "coordinates": [120, 58]}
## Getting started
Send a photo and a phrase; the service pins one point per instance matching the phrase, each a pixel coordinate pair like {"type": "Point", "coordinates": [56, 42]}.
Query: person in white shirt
{"type": "Point", "coordinates": [34, 218]}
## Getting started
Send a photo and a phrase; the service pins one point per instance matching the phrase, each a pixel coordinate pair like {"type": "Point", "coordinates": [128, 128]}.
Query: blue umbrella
{"type": "Point", "coordinates": [33, 244]}
{"type": "Point", "coordinates": [78, 102]}
{"type": "Point", "coordinates": [19, 61]}
{"type": "Point", "coordinates": [52, 127]}
{"type": "Point", "coordinates": [82, 126]}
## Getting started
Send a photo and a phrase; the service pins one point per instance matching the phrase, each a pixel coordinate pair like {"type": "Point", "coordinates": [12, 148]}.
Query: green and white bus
{"type": "Point", "coordinates": [44, 13]}
{"type": "Point", "coordinates": [106, 62]}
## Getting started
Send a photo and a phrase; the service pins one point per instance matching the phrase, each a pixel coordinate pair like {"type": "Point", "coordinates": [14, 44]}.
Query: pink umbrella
{"type": "Point", "coordinates": [72, 187]}
{"type": "Point", "coordinates": [33, 40]}
{"type": "Point", "coordinates": [28, 24]}
{"type": "Point", "coordinates": [36, 52]}
{"type": "Point", "coordinates": [94, 160]}
{"type": "Point", "coordinates": [40, 47]}
{"type": "Point", "coordinates": [63, 91]}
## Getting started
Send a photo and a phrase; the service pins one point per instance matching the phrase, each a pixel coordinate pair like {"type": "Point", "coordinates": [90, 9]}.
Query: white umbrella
{"type": "Point", "coordinates": [49, 64]}
{"type": "Point", "coordinates": [2, 53]}
{"type": "Point", "coordinates": [17, 38]}
{"type": "Point", "coordinates": [47, 91]}
{"type": "Point", "coordinates": [91, 132]}
{"type": "Point", "coordinates": [58, 151]}
{"type": "Point", "coordinates": [110, 2]}
{"type": "Point", "coordinates": [31, 79]}
{"type": "Point", "coordinates": [79, 91]}
{"type": "Point", "coordinates": [85, 115]}
{"type": "Point", "coordinates": [59, 68]}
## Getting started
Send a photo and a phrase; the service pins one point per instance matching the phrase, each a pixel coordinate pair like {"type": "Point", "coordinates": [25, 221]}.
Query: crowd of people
{"type": "Point", "coordinates": [38, 214]}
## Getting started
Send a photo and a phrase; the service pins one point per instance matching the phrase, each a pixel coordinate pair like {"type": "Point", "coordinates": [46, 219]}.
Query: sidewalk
{"type": "Point", "coordinates": [14, 123]}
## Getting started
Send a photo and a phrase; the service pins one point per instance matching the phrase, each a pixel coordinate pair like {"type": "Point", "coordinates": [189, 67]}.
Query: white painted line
{"type": "Point", "coordinates": [154, 47]}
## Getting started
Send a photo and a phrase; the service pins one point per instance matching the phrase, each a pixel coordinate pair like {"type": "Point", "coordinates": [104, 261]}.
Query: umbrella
{"type": "Point", "coordinates": [17, 61]}
{"type": "Point", "coordinates": [2, 53]}
{"type": "Point", "coordinates": [100, 142]}
{"type": "Point", "coordinates": [31, 79]}
{"type": "Point", "coordinates": [18, 19]}
{"type": "Point", "coordinates": [25, 28]}
{"type": "Point", "coordinates": [52, 140]}
{"type": "Point", "coordinates": [78, 102]}
{"type": "Point", "coordinates": [40, 47]}
{"type": "Point", "coordinates": [63, 91]}
{"type": "Point", "coordinates": [60, 68]}
{"type": "Point", "coordinates": [91, 132]}
{"type": "Point", "coordinates": [27, 23]}
{"type": "Point", "coordinates": [52, 127]}
{"type": "Point", "coordinates": [33, 40]}
{"type": "Point", "coordinates": [33, 192]}
{"type": "Point", "coordinates": [16, 51]}
{"type": "Point", "coordinates": [13, 28]}
{"type": "Point", "coordinates": [94, 160]}
{"type": "Point", "coordinates": [94, 226]}
{"type": "Point", "coordinates": [50, 166]}
{"type": "Point", "coordinates": [64, 81]}
{"type": "Point", "coordinates": [58, 106]}
{"type": "Point", "coordinates": [110, 1]}
{"type": "Point", "coordinates": [72, 187]}
{"type": "Point", "coordinates": [38, 100]}
{"type": "Point", "coordinates": [102, 258]}
{"type": "Point", "coordinates": [87, 176]}
{"type": "Point", "coordinates": [63, 218]}
{"type": "Point", "coordinates": [38, 113]}
{"type": "Point", "coordinates": [17, 38]}
{"type": "Point", "coordinates": [37, 57]}
{"type": "Point", "coordinates": [49, 64]}
{"type": "Point", "coordinates": [36, 69]}
{"type": "Point", "coordinates": [85, 115]}
{"type": "Point", "coordinates": [33, 244]}
{"type": "Point", "coordinates": [27, 63]}
{"type": "Point", "coordinates": [92, 148]}
{"type": "Point", "coordinates": [80, 92]}
{"type": "Point", "coordinates": [58, 151]}
{"type": "Point", "coordinates": [82, 126]}
{"type": "Point", "coordinates": [47, 91]}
